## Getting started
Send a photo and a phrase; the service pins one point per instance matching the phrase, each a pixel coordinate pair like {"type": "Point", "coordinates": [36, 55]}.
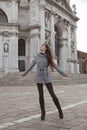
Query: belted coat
{"type": "Point", "coordinates": [42, 73]}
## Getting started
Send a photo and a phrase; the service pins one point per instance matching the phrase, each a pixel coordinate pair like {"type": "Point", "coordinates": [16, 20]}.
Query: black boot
{"type": "Point", "coordinates": [43, 115]}
{"type": "Point", "coordinates": [56, 101]}
{"type": "Point", "coordinates": [60, 114]}
{"type": "Point", "coordinates": [42, 106]}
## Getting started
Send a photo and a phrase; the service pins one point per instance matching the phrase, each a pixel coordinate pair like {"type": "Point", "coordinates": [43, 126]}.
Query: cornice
{"type": "Point", "coordinates": [34, 26]}
{"type": "Point", "coordinates": [24, 7]}
{"type": "Point", "coordinates": [10, 0]}
{"type": "Point", "coordinates": [7, 33]}
{"type": "Point", "coordinates": [29, 27]}
{"type": "Point", "coordinates": [9, 24]}
{"type": "Point", "coordinates": [53, 2]}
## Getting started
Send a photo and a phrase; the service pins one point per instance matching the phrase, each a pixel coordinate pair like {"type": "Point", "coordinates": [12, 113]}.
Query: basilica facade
{"type": "Point", "coordinates": [26, 24]}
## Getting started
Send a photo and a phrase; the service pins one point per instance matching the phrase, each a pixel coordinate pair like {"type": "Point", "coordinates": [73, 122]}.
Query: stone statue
{"type": "Point", "coordinates": [59, 27]}
{"type": "Point", "coordinates": [6, 48]}
{"type": "Point", "coordinates": [47, 18]}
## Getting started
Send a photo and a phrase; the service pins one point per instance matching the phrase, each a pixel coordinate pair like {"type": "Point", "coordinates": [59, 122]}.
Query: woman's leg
{"type": "Point", "coordinates": [41, 100]}
{"type": "Point", "coordinates": [55, 99]}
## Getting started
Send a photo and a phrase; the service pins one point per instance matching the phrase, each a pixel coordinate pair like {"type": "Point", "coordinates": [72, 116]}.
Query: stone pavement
{"type": "Point", "coordinates": [19, 108]}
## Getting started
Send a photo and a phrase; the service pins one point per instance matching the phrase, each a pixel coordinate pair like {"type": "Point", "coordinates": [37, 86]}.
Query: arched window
{"type": "Point", "coordinates": [3, 17]}
{"type": "Point", "coordinates": [21, 47]}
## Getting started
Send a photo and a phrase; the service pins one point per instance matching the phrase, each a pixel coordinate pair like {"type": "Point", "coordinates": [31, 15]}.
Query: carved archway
{"type": "Point", "coordinates": [3, 17]}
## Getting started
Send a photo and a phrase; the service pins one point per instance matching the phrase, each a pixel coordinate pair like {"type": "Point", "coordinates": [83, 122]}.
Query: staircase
{"type": "Point", "coordinates": [15, 79]}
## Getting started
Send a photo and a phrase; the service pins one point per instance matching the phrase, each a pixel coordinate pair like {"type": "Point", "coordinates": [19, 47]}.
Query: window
{"type": "Point", "coordinates": [21, 47]}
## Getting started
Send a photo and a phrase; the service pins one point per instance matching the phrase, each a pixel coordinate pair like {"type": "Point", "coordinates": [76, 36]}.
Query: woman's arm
{"type": "Point", "coordinates": [60, 70]}
{"type": "Point", "coordinates": [30, 67]}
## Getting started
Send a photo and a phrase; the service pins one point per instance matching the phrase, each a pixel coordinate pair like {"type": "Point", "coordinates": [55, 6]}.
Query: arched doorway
{"type": "Point", "coordinates": [21, 54]}
{"type": "Point", "coordinates": [3, 17]}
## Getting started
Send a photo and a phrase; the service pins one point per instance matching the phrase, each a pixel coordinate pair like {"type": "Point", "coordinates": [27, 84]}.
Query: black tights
{"type": "Point", "coordinates": [41, 96]}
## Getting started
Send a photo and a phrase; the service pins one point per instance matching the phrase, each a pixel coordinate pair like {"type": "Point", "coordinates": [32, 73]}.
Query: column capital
{"type": "Point", "coordinates": [42, 4]}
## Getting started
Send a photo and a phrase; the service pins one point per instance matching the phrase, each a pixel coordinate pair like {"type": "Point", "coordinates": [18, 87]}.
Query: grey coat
{"type": "Point", "coordinates": [42, 73]}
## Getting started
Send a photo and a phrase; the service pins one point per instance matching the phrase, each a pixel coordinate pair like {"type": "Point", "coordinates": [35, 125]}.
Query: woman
{"type": "Point", "coordinates": [44, 59]}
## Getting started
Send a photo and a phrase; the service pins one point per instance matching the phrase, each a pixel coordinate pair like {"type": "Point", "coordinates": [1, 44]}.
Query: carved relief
{"type": "Point", "coordinates": [72, 33]}
{"type": "Point", "coordinates": [72, 47]}
{"type": "Point", "coordinates": [47, 19]}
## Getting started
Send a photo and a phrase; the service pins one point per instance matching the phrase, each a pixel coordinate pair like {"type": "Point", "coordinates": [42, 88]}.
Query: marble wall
{"type": "Point", "coordinates": [38, 21]}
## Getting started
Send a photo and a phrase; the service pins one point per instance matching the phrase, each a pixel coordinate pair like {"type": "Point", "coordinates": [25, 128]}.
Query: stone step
{"type": "Point", "coordinates": [12, 79]}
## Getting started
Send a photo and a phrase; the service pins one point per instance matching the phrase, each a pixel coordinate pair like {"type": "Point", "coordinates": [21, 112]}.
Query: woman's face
{"type": "Point", "coordinates": [43, 48]}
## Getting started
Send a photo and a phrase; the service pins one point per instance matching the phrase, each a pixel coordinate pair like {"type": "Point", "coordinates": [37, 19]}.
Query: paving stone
{"type": "Point", "coordinates": [18, 103]}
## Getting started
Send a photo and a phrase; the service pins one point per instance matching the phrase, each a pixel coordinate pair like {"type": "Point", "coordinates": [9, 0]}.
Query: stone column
{"type": "Point", "coordinates": [1, 52]}
{"type": "Point", "coordinates": [62, 54]}
{"type": "Point", "coordinates": [34, 43]}
{"type": "Point", "coordinates": [27, 51]}
{"type": "Point", "coordinates": [52, 33]}
{"type": "Point", "coordinates": [27, 42]}
{"type": "Point", "coordinates": [76, 65]}
{"type": "Point", "coordinates": [34, 28]}
{"type": "Point", "coordinates": [34, 12]}
{"type": "Point", "coordinates": [69, 59]}
{"type": "Point", "coordinates": [63, 46]}
{"type": "Point", "coordinates": [13, 54]}
{"type": "Point", "coordinates": [42, 23]}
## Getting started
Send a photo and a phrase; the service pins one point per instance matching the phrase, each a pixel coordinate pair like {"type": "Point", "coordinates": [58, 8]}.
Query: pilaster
{"type": "Point", "coordinates": [52, 33]}
{"type": "Point", "coordinates": [76, 65]}
{"type": "Point", "coordinates": [42, 22]}
{"type": "Point", "coordinates": [34, 12]}
{"type": "Point", "coordinates": [34, 43]}
{"type": "Point", "coordinates": [69, 58]}
{"type": "Point", "coordinates": [1, 52]}
{"type": "Point", "coordinates": [14, 11]}
{"type": "Point", "coordinates": [13, 53]}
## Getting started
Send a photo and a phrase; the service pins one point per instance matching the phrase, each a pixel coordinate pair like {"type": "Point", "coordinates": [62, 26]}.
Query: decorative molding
{"type": "Point", "coordinates": [10, 0]}
{"type": "Point", "coordinates": [64, 39]}
{"type": "Point", "coordinates": [34, 26]}
{"type": "Point", "coordinates": [54, 3]}
{"type": "Point", "coordinates": [24, 7]}
{"type": "Point", "coordinates": [34, 35]}
{"type": "Point", "coordinates": [22, 36]}
{"type": "Point", "coordinates": [72, 60]}
{"type": "Point", "coordinates": [8, 34]}
{"type": "Point", "coordinates": [9, 24]}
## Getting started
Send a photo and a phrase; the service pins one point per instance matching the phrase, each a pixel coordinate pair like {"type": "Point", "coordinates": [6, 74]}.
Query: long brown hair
{"type": "Point", "coordinates": [49, 57]}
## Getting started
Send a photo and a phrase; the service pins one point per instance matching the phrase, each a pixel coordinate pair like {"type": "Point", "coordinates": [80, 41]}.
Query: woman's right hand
{"type": "Point", "coordinates": [23, 75]}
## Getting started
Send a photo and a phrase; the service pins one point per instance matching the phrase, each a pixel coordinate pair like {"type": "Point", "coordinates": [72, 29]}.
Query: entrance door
{"type": "Point", "coordinates": [21, 64]}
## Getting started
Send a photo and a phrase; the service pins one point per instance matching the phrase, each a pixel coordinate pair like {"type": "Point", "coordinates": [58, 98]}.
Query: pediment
{"type": "Point", "coordinates": [65, 4]}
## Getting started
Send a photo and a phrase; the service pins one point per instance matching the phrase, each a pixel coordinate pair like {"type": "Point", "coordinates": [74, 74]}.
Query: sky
{"type": "Point", "coordinates": [81, 6]}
